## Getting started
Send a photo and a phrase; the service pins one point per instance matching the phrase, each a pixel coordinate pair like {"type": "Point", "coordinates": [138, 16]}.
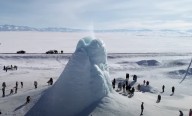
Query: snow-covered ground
{"type": "Point", "coordinates": [166, 66]}
{"type": "Point", "coordinates": [118, 42]}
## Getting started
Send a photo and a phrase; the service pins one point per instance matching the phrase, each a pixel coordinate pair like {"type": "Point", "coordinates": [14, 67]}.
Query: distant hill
{"type": "Point", "coordinates": [138, 32]}
{"type": "Point", "coordinates": [26, 28]}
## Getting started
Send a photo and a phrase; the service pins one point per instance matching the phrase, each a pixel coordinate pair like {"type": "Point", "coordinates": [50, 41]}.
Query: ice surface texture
{"type": "Point", "coordinates": [85, 80]}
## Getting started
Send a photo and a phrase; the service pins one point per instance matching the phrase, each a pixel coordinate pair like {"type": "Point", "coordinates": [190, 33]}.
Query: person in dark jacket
{"type": "Point", "coordinates": [142, 108]}
{"type": "Point", "coordinates": [173, 90]}
{"type": "Point", "coordinates": [124, 88]}
{"type": "Point", "coordinates": [16, 87]}
{"type": "Point", "coordinates": [50, 82]}
{"type": "Point", "coordinates": [3, 90]}
{"type": "Point", "coordinates": [163, 88]}
{"type": "Point", "coordinates": [132, 90]}
{"type": "Point", "coordinates": [21, 84]}
{"type": "Point", "coordinates": [158, 98]}
{"type": "Point", "coordinates": [11, 91]}
{"type": "Point", "coordinates": [127, 76]}
{"type": "Point", "coordinates": [135, 78]}
{"type": "Point", "coordinates": [113, 83]}
{"type": "Point", "coordinates": [143, 82]}
{"type": "Point", "coordinates": [35, 84]}
{"type": "Point", "coordinates": [28, 99]}
{"type": "Point", "coordinates": [147, 83]}
{"type": "Point", "coordinates": [180, 113]}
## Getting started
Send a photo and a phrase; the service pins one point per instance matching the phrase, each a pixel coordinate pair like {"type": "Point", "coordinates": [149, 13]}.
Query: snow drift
{"type": "Point", "coordinates": [83, 82]}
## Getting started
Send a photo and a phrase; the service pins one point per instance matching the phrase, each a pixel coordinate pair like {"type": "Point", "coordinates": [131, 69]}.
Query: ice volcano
{"type": "Point", "coordinates": [84, 81]}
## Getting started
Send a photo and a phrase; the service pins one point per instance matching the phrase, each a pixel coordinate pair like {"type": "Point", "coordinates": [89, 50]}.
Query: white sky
{"type": "Point", "coordinates": [102, 14]}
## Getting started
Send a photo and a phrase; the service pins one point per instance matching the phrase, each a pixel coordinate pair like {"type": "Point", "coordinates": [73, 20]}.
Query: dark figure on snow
{"type": "Point", "coordinates": [158, 98]}
{"type": "Point", "coordinates": [135, 78]}
{"type": "Point", "coordinates": [143, 82]}
{"type": "Point", "coordinates": [173, 90]}
{"type": "Point", "coordinates": [11, 91]}
{"type": "Point", "coordinates": [180, 113]}
{"type": "Point", "coordinates": [16, 87]}
{"type": "Point", "coordinates": [132, 90]}
{"type": "Point", "coordinates": [28, 99]}
{"type": "Point", "coordinates": [147, 83]}
{"type": "Point", "coordinates": [126, 82]}
{"type": "Point", "coordinates": [35, 84]}
{"type": "Point", "coordinates": [123, 87]}
{"type": "Point", "coordinates": [128, 87]}
{"type": "Point", "coordinates": [190, 112]}
{"type": "Point", "coordinates": [4, 68]}
{"type": "Point", "coordinates": [3, 89]}
{"type": "Point", "coordinates": [15, 67]}
{"type": "Point", "coordinates": [113, 83]}
{"type": "Point", "coordinates": [127, 76]}
{"type": "Point", "coordinates": [163, 88]}
{"type": "Point", "coordinates": [142, 108]}
{"type": "Point", "coordinates": [50, 82]}
{"type": "Point", "coordinates": [21, 84]}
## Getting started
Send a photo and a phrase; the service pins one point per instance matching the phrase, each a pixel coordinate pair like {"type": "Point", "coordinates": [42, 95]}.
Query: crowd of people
{"type": "Point", "coordinates": [15, 88]}
{"type": "Point", "coordinates": [129, 89]}
{"type": "Point", "coordinates": [11, 67]}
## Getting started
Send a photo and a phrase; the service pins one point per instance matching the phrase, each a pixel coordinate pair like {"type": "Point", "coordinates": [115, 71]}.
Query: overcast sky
{"type": "Point", "coordinates": [102, 14]}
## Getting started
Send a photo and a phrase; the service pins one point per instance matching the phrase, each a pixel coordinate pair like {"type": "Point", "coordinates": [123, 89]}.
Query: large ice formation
{"type": "Point", "coordinates": [83, 82]}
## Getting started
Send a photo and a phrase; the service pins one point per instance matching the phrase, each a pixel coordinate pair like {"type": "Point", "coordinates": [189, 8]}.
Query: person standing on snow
{"type": "Point", "coordinates": [142, 108]}
{"type": "Point", "coordinates": [158, 98]}
{"type": "Point", "coordinates": [35, 84]}
{"type": "Point", "coordinates": [21, 84]}
{"type": "Point", "coordinates": [127, 76]}
{"type": "Point", "coordinates": [28, 99]}
{"type": "Point", "coordinates": [124, 88]}
{"type": "Point", "coordinates": [16, 87]}
{"type": "Point", "coordinates": [144, 82]}
{"type": "Point", "coordinates": [190, 112]}
{"type": "Point", "coordinates": [3, 89]}
{"type": "Point", "coordinates": [163, 88]}
{"type": "Point", "coordinates": [50, 82]}
{"type": "Point", "coordinates": [173, 90]}
{"type": "Point", "coordinates": [181, 113]}
{"type": "Point", "coordinates": [113, 83]}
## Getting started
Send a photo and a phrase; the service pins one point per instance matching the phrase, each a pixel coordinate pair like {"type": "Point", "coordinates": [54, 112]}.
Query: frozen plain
{"type": "Point", "coordinates": [160, 60]}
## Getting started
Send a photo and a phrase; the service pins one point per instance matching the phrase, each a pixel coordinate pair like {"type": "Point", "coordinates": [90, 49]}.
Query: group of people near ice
{"type": "Point", "coordinates": [129, 89]}
{"type": "Point", "coordinates": [11, 67]}
{"type": "Point", "coordinates": [14, 89]}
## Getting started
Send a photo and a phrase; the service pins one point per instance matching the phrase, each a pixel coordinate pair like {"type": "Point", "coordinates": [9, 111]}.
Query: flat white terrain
{"type": "Point", "coordinates": [118, 42]}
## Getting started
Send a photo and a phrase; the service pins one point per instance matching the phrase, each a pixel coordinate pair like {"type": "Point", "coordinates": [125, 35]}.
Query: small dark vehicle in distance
{"type": "Point", "coordinates": [21, 52]}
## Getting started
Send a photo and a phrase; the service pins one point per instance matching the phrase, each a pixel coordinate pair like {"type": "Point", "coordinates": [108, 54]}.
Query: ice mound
{"type": "Point", "coordinates": [148, 63]}
{"type": "Point", "coordinates": [181, 72]}
{"type": "Point", "coordinates": [83, 82]}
